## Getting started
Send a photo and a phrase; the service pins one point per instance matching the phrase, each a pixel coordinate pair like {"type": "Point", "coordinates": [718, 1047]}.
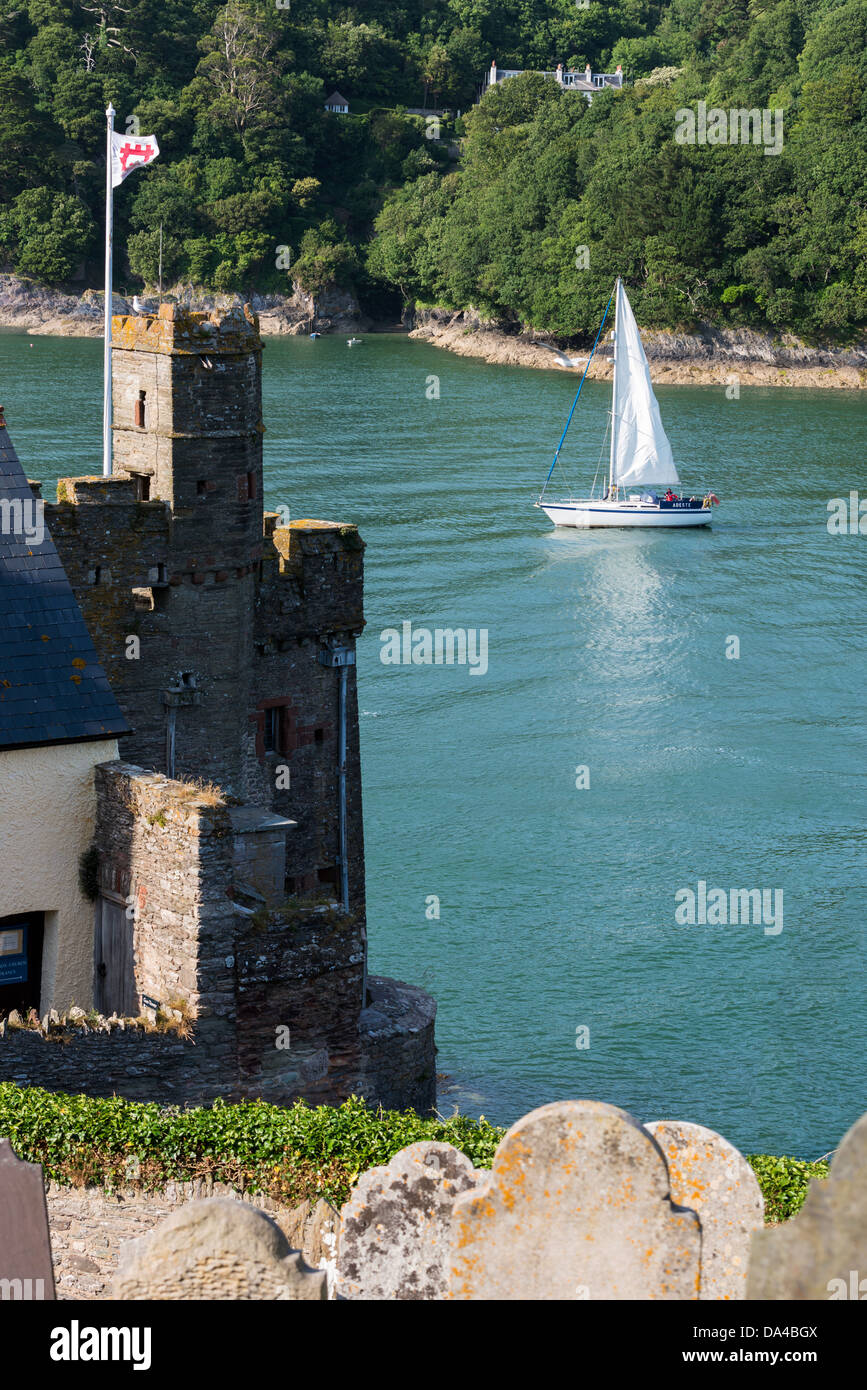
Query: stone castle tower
{"type": "Point", "coordinates": [228, 854]}
{"type": "Point", "coordinates": [228, 639]}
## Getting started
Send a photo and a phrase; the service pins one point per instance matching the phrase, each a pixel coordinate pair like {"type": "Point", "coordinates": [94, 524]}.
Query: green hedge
{"type": "Point", "coordinates": [784, 1183]}
{"type": "Point", "coordinates": [287, 1152]}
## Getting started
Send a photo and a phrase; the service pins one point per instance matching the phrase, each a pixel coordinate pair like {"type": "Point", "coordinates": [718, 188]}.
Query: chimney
{"type": "Point", "coordinates": [493, 73]}
{"type": "Point", "coordinates": [588, 73]}
{"type": "Point", "coordinates": [619, 69]}
{"type": "Point", "coordinates": [559, 73]}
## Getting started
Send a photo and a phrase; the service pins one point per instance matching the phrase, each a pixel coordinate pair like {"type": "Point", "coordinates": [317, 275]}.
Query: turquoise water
{"type": "Point", "coordinates": [557, 905]}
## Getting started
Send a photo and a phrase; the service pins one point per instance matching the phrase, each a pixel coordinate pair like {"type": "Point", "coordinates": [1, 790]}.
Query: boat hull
{"type": "Point", "coordinates": [584, 514]}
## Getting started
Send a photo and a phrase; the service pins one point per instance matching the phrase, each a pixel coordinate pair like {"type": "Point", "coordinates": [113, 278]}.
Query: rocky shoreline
{"type": "Point", "coordinates": [711, 356]}
{"type": "Point", "coordinates": [40, 311]}
{"type": "Point", "coordinates": [707, 357]}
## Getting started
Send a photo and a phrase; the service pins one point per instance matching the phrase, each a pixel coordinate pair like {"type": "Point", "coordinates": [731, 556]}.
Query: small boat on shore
{"type": "Point", "coordinates": [641, 472]}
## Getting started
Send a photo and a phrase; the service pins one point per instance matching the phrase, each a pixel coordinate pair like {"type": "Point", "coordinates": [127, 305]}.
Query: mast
{"type": "Point", "coordinates": [106, 365]}
{"type": "Point", "coordinates": [614, 388]}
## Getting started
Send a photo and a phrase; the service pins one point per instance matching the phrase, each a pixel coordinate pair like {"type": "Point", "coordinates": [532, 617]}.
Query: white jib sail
{"type": "Point", "coordinates": [642, 453]}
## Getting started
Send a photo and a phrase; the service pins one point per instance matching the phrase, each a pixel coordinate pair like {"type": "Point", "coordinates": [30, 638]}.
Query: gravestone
{"type": "Point", "coordinates": [576, 1206]}
{"type": "Point", "coordinates": [394, 1230]}
{"type": "Point", "coordinates": [822, 1252]}
{"type": "Point", "coordinates": [25, 1244]}
{"type": "Point", "coordinates": [710, 1176]}
{"type": "Point", "coordinates": [216, 1249]}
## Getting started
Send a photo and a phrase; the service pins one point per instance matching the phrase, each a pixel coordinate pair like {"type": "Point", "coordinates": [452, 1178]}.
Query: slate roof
{"type": "Point", "coordinates": [52, 687]}
{"type": "Point", "coordinates": [337, 100]}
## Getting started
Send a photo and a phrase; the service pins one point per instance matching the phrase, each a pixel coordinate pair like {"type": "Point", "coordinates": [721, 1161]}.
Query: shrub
{"type": "Point", "coordinates": [784, 1183]}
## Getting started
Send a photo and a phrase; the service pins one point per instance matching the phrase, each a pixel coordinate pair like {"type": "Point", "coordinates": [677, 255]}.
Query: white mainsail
{"type": "Point", "coordinates": [641, 452]}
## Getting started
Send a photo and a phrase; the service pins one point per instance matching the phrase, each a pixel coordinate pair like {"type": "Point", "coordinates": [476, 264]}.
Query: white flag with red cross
{"type": "Point", "coordinates": [130, 152]}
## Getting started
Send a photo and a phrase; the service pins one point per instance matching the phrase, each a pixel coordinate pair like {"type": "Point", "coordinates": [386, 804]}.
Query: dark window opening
{"type": "Point", "coordinates": [188, 679]}
{"type": "Point", "coordinates": [328, 874]}
{"type": "Point", "coordinates": [319, 736]}
{"type": "Point", "coordinates": [273, 732]}
{"type": "Point", "coordinates": [201, 487]}
{"type": "Point", "coordinates": [140, 410]}
{"type": "Point", "coordinates": [97, 574]}
{"type": "Point", "coordinates": [142, 487]}
{"type": "Point", "coordinates": [251, 486]}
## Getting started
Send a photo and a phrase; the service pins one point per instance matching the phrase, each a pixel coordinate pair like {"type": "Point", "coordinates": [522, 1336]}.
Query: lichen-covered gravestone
{"type": "Point", "coordinates": [215, 1249]}
{"type": "Point", "coordinates": [710, 1176]}
{"type": "Point", "coordinates": [394, 1230]}
{"type": "Point", "coordinates": [25, 1244]}
{"type": "Point", "coordinates": [576, 1206]}
{"type": "Point", "coordinates": [822, 1252]}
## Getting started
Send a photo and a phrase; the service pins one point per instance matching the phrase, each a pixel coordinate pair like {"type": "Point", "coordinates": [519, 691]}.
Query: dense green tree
{"type": "Point", "coordinates": [46, 234]}
{"type": "Point", "coordinates": [550, 200]}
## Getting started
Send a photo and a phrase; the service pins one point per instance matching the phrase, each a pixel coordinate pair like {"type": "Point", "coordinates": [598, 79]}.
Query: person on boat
{"type": "Point", "coordinates": [669, 496]}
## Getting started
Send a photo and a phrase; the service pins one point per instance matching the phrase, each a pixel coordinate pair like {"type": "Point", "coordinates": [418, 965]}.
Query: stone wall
{"type": "Point", "coordinates": [385, 1053]}
{"type": "Point", "coordinates": [274, 999]}
{"type": "Point", "coordinates": [166, 848]}
{"type": "Point", "coordinates": [89, 1225]}
{"type": "Point", "coordinates": [126, 1061]}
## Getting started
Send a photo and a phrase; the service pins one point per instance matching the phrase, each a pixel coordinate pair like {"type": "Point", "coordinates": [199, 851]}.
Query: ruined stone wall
{"type": "Point", "coordinates": [166, 847]}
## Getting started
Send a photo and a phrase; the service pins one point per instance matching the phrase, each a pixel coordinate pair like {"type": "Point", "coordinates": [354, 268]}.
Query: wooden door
{"type": "Point", "coordinates": [114, 962]}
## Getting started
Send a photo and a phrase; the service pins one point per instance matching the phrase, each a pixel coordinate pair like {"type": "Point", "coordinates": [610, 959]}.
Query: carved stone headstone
{"type": "Point", "coordinates": [25, 1244]}
{"type": "Point", "coordinates": [576, 1206]}
{"type": "Point", "coordinates": [710, 1176]}
{"type": "Point", "coordinates": [394, 1230]}
{"type": "Point", "coordinates": [215, 1249]}
{"type": "Point", "coordinates": [822, 1252]}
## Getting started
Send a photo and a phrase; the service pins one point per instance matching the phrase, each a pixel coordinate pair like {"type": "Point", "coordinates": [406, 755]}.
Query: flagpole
{"type": "Point", "coordinates": [109, 210]}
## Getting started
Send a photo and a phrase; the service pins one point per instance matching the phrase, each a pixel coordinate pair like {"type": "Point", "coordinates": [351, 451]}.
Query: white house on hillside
{"type": "Point", "coordinates": [586, 82]}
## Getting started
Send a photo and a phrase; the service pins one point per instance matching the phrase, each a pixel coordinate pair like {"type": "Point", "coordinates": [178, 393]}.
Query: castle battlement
{"type": "Point", "coordinates": [176, 330]}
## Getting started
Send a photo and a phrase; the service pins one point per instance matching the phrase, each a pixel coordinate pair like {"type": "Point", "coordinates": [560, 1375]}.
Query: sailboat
{"type": "Point", "coordinates": [641, 473]}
